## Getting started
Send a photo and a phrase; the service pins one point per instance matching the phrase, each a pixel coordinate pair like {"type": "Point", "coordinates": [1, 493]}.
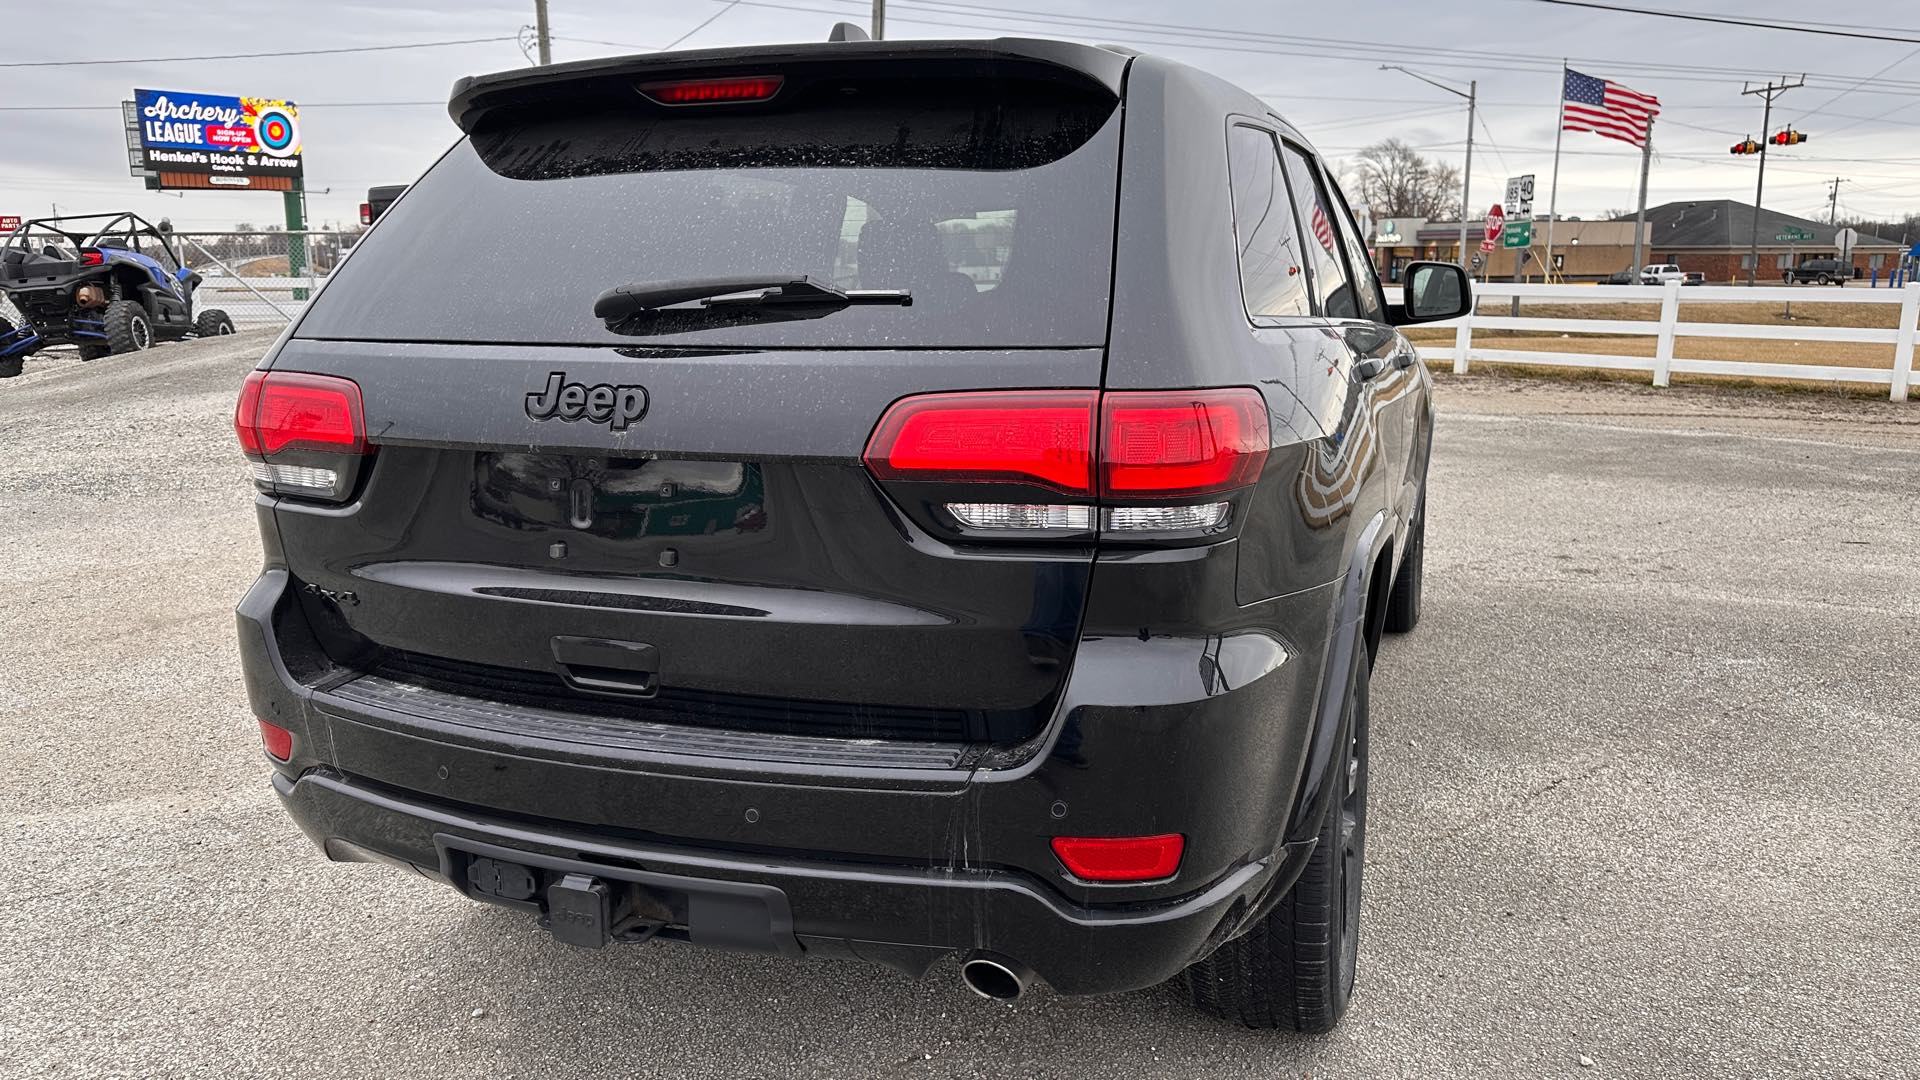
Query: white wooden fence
{"type": "Point", "coordinates": [1897, 377]}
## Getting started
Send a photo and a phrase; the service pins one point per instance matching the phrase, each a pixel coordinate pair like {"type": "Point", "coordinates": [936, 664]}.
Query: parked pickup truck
{"type": "Point", "coordinates": [1660, 274]}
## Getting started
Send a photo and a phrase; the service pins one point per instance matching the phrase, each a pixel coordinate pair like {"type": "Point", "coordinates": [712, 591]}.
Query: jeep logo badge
{"type": "Point", "coordinates": [616, 406]}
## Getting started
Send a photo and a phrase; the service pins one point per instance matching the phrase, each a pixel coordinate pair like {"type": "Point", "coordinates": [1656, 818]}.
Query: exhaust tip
{"type": "Point", "coordinates": [994, 977]}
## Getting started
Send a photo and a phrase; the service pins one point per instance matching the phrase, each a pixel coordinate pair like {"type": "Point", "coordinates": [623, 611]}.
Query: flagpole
{"type": "Point", "coordinates": [1553, 197]}
{"type": "Point", "coordinates": [1640, 220]}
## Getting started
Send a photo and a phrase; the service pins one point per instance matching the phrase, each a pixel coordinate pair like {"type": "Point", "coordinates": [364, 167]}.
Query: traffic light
{"type": "Point", "coordinates": [1746, 146]}
{"type": "Point", "coordinates": [1789, 137]}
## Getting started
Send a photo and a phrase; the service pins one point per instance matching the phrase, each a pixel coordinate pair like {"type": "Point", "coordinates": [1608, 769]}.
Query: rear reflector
{"type": "Point", "coordinates": [1181, 442]}
{"type": "Point", "coordinates": [1038, 437]}
{"type": "Point", "coordinates": [284, 410]}
{"type": "Point", "coordinates": [1120, 858]}
{"type": "Point", "coordinates": [277, 740]}
{"type": "Point", "coordinates": [92, 258]}
{"type": "Point", "coordinates": [714, 91]}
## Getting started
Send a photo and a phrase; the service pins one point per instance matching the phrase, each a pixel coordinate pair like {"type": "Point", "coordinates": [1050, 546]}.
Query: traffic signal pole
{"type": "Point", "coordinates": [1766, 93]}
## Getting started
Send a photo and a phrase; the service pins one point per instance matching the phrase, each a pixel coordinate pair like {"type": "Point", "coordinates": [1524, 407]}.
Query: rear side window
{"type": "Point", "coordinates": [1273, 280]}
{"type": "Point", "coordinates": [1330, 279]}
{"type": "Point", "coordinates": [991, 199]}
{"type": "Point", "coordinates": [1366, 284]}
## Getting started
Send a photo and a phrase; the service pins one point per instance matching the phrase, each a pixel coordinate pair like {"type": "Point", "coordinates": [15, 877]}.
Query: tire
{"type": "Point", "coordinates": [92, 352]}
{"type": "Point", "coordinates": [12, 365]}
{"type": "Point", "coordinates": [1824, 279]}
{"type": "Point", "coordinates": [212, 323]}
{"type": "Point", "coordinates": [128, 328]}
{"type": "Point", "coordinates": [1403, 604]}
{"type": "Point", "coordinates": [1294, 968]}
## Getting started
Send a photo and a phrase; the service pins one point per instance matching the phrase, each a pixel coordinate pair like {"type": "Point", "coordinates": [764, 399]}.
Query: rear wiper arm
{"type": "Point", "coordinates": [625, 301]}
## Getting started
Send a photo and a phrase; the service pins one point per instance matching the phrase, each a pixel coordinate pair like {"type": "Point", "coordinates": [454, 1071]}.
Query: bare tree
{"type": "Point", "coordinates": [1395, 181]}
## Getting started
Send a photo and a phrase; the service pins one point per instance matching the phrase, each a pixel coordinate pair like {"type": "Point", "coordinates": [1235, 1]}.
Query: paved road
{"type": "Point", "coordinates": [1646, 789]}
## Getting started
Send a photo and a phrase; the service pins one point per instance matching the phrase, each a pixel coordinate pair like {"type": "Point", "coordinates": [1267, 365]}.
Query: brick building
{"type": "Point", "coordinates": [1705, 235]}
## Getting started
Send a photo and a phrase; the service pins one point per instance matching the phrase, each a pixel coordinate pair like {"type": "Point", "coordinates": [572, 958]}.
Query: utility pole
{"type": "Point", "coordinates": [1640, 217]}
{"type": "Point", "coordinates": [1472, 95]}
{"type": "Point", "coordinates": [1766, 93]}
{"type": "Point", "coordinates": [543, 34]}
{"type": "Point", "coordinates": [880, 20]}
{"type": "Point", "coordinates": [1833, 200]}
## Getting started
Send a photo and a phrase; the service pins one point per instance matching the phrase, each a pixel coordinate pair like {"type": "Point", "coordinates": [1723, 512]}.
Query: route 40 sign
{"type": "Point", "coordinates": [1520, 198]}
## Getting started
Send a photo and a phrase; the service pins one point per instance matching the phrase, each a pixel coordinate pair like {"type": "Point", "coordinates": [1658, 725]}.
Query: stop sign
{"type": "Point", "coordinates": [1496, 220]}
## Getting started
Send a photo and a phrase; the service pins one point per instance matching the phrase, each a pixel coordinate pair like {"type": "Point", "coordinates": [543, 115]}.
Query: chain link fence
{"type": "Point", "coordinates": [259, 278]}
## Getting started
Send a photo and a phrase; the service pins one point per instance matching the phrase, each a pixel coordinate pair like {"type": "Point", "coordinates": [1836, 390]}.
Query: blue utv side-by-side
{"type": "Point", "coordinates": [105, 283]}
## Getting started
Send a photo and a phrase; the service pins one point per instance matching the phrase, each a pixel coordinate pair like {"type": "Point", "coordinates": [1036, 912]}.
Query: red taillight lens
{"type": "Point", "coordinates": [1184, 442]}
{"type": "Point", "coordinates": [277, 740]}
{"type": "Point", "coordinates": [1039, 437]}
{"type": "Point", "coordinates": [91, 258]}
{"type": "Point", "coordinates": [714, 91]}
{"type": "Point", "coordinates": [366, 213]}
{"type": "Point", "coordinates": [246, 411]}
{"type": "Point", "coordinates": [1120, 858]}
{"type": "Point", "coordinates": [285, 410]}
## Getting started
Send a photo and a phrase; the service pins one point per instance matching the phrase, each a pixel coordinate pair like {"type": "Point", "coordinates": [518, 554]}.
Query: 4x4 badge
{"type": "Point", "coordinates": [606, 403]}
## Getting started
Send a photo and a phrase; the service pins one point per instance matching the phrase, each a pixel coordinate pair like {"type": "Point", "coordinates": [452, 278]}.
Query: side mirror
{"type": "Point", "coordinates": [1434, 291]}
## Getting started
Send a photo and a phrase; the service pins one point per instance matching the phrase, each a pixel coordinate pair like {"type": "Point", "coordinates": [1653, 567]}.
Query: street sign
{"type": "Point", "coordinates": [1479, 260]}
{"type": "Point", "coordinates": [1496, 220]}
{"type": "Point", "coordinates": [1519, 234]}
{"type": "Point", "coordinates": [1792, 235]}
{"type": "Point", "coordinates": [1844, 240]}
{"type": "Point", "coordinates": [8, 223]}
{"type": "Point", "coordinates": [1520, 198]}
{"type": "Point", "coordinates": [1486, 245]}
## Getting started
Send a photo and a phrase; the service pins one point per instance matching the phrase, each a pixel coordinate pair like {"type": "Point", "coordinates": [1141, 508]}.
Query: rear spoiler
{"type": "Point", "coordinates": [474, 95]}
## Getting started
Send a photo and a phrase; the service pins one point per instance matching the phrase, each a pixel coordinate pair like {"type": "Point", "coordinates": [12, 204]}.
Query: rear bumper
{"type": "Point", "coordinates": [900, 917]}
{"type": "Point", "coordinates": [1206, 736]}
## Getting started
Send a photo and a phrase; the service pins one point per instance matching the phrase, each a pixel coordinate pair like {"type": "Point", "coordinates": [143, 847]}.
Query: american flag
{"type": "Point", "coordinates": [1322, 228]}
{"type": "Point", "coordinates": [1604, 107]}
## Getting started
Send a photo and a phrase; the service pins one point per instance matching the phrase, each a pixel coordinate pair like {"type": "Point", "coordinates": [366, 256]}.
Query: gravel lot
{"type": "Point", "coordinates": [1645, 788]}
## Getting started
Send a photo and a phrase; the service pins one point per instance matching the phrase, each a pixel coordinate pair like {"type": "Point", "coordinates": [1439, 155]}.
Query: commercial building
{"type": "Point", "coordinates": [1710, 236]}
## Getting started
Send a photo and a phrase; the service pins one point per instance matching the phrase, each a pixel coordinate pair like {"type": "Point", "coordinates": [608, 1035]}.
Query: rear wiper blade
{"type": "Point", "coordinates": [625, 301]}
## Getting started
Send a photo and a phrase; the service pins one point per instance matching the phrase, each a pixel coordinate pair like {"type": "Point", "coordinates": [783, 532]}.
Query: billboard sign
{"type": "Point", "coordinates": [8, 223]}
{"type": "Point", "coordinates": [225, 141]}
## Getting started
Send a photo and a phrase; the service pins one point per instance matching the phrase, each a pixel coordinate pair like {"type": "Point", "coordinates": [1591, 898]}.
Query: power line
{"type": "Point", "coordinates": [1316, 47]}
{"type": "Point", "coordinates": [250, 56]}
{"type": "Point", "coordinates": [1724, 20]}
{"type": "Point", "coordinates": [704, 23]}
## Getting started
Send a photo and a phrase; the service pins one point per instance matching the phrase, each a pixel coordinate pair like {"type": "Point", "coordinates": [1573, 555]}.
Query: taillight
{"type": "Point", "coordinates": [366, 213]}
{"type": "Point", "coordinates": [1120, 858]}
{"type": "Point", "coordinates": [1039, 437]}
{"type": "Point", "coordinates": [733, 90]}
{"type": "Point", "coordinates": [1163, 461]}
{"type": "Point", "coordinates": [1192, 442]}
{"type": "Point", "coordinates": [305, 434]}
{"type": "Point", "coordinates": [92, 258]}
{"type": "Point", "coordinates": [277, 740]}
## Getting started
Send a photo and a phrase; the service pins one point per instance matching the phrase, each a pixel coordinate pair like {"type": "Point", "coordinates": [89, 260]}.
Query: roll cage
{"type": "Point", "coordinates": [124, 230]}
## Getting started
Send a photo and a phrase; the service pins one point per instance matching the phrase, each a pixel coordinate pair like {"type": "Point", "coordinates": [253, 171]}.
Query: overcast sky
{"type": "Point", "coordinates": [1864, 131]}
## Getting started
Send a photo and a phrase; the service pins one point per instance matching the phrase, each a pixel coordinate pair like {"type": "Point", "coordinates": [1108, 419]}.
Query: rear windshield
{"type": "Point", "coordinates": [990, 200]}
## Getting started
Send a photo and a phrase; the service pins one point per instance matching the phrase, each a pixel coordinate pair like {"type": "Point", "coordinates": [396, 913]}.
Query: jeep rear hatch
{"type": "Point", "coordinates": [638, 521]}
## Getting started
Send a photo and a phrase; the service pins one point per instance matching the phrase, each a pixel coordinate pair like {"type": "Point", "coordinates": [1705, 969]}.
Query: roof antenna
{"type": "Point", "coordinates": [846, 31]}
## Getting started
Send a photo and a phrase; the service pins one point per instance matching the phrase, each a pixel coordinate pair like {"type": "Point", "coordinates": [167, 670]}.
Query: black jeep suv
{"type": "Point", "coordinates": [884, 500]}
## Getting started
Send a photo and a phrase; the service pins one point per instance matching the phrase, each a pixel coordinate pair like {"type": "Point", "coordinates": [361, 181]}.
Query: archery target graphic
{"type": "Point", "coordinates": [277, 132]}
